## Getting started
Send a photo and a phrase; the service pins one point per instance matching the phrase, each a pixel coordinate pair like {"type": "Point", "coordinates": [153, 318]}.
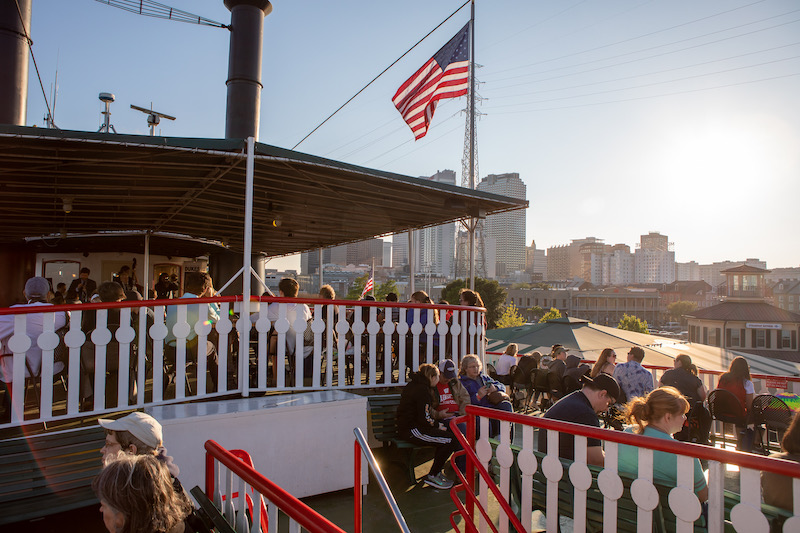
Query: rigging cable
{"type": "Point", "coordinates": [379, 75]}
{"type": "Point", "coordinates": [33, 57]}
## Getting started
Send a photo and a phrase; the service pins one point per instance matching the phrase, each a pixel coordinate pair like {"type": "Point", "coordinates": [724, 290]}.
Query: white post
{"type": "Point", "coordinates": [146, 265]}
{"type": "Point", "coordinates": [244, 311]}
{"type": "Point", "coordinates": [321, 283]}
{"type": "Point", "coordinates": [411, 289]}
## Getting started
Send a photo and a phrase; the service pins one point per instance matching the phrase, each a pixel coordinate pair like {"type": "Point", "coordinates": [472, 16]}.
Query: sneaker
{"type": "Point", "coordinates": [438, 481]}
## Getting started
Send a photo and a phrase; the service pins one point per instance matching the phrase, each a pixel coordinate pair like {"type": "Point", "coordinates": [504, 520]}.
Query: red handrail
{"type": "Point", "coordinates": [742, 459]}
{"type": "Point", "coordinates": [301, 513]}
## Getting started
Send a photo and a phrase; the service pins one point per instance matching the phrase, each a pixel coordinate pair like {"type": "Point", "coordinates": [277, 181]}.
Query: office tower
{"type": "Point", "coordinates": [506, 229]}
{"type": "Point", "coordinates": [654, 259]}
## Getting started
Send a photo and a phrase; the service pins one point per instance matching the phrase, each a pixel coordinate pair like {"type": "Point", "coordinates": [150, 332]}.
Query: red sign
{"type": "Point", "coordinates": [777, 383]}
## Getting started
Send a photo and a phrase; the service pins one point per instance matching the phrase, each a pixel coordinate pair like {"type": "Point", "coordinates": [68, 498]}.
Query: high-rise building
{"type": "Point", "coordinates": [689, 271]}
{"type": "Point", "coordinates": [399, 249]}
{"type": "Point", "coordinates": [387, 253]}
{"type": "Point", "coordinates": [536, 262]}
{"type": "Point", "coordinates": [566, 261]}
{"type": "Point", "coordinates": [507, 229]}
{"type": "Point", "coordinates": [436, 245]}
{"type": "Point", "coordinates": [654, 259]}
{"type": "Point", "coordinates": [712, 274]}
{"type": "Point", "coordinates": [354, 253]}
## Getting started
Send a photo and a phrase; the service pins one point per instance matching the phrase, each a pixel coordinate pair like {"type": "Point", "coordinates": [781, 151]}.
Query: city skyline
{"type": "Point", "coordinates": [621, 118]}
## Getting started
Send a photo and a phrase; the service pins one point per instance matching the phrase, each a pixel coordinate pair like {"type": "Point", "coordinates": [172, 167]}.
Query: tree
{"type": "Point", "coordinates": [492, 294]}
{"type": "Point", "coordinates": [633, 323]}
{"type": "Point", "coordinates": [521, 285]}
{"type": "Point", "coordinates": [381, 289]}
{"type": "Point", "coordinates": [510, 317]}
{"type": "Point", "coordinates": [683, 307]}
{"type": "Point", "coordinates": [552, 314]}
{"type": "Point", "coordinates": [537, 311]}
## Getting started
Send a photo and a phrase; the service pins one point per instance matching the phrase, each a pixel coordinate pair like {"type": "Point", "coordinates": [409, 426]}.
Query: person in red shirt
{"type": "Point", "coordinates": [453, 397]}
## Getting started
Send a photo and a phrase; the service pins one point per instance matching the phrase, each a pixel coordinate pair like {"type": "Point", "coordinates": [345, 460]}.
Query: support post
{"type": "Point", "coordinates": [411, 265]}
{"type": "Point", "coordinates": [247, 276]}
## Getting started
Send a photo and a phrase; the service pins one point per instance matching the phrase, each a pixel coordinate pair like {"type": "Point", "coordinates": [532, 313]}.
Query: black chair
{"type": "Point", "coordinates": [490, 369]}
{"type": "Point", "coordinates": [726, 408]}
{"type": "Point", "coordinates": [542, 386]}
{"type": "Point", "coordinates": [771, 413]}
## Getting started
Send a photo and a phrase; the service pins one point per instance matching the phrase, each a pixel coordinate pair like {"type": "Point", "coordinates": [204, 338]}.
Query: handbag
{"type": "Point", "coordinates": [497, 396]}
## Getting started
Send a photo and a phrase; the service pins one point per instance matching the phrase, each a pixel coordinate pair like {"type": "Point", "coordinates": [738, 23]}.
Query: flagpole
{"type": "Point", "coordinates": [373, 276]}
{"type": "Point", "coordinates": [473, 221]}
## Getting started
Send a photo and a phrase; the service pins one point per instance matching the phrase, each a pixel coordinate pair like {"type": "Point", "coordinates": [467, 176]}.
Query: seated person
{"type": "Point", "coordinates": [504, 364]}
{"type": "Point", "coordinates": [197, 285]}
{"type": "Point", "coordinates": [572, 375]}
{"type": "Point", "coordinates": [777, 489]}
{"type": "Point", "coordinates": [684, 378]}
{"type": "Point", "coordinates": [605, 363]}
{"type": "Point", "coordinates": [136, 495]}
{"type": "Point", "coordinates": [415, 423]}
{"type": "Point", "coordinates": [634, 379]}
{"type": "Point", "coordinates": [481, 388]}
{"type": "Point", "coordinates": [557, 367]}
{"type": "Point", "coordinates": [660, 414]}
{"type": "Point", "coordinates": [582, 407]}
{"type": "Point", "coordinates": [453, 397]}
{"type": "Point", "coordinates": [288, 288]}
{"type": "Point", "coordinates": [36, 294]}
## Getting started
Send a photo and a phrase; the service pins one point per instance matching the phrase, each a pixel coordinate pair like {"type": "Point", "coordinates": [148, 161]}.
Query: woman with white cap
{"type": "Point", "coordinates": [136, 434]}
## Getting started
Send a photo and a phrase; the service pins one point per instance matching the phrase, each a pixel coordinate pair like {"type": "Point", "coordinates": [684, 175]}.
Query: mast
{"type": "Point", "coordinates": [473, 221]}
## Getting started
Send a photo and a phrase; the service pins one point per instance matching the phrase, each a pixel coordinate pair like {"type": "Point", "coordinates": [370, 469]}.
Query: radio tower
{"type": "Point", "coordinates": [462, 240]}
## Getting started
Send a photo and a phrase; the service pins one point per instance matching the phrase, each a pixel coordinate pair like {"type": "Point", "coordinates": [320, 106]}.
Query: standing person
{"type": "Point", "coordinates": [777, 489]}
{"type": "Point", "coordinates": [633, 378]}
{"type": "Point", "coordinates": [36, 294]}
{"type": "Point", "coordinates": [61, 292]}
{"type": "Point", "coordinates": [127, 278]}
{"type": "Point", "coordinates": [136, 496]}
{"type": "Point", "coordinates": [605, 363]}
{"type": "Point", "coordinates": [416, 423]}
{"type": "Point", "coordinates": [83, 286]}
{"type": "Point", "coordinates": [660, 414]}
{"type": "Point", "coordinates": [737, 380]}
{"type": "Point", "coordinates": [166, 287]}
{"type": "Point", "coordinates": [582, 407]}
{"type": "Point", "coordinates": [506, 361]}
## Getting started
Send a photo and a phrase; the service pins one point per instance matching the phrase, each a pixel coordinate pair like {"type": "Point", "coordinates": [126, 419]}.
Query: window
{"type": "Point", "coordinates": [761, 338]}
{"type": "Point", "coordinates": [732, 337]}
{"type": "Point", "coordinates": [786, 339]}
{"type": "Point", "coordinates": [529, 302]}
{"type": "Point", "coordinates": [544, 304]}
{"type": "Point", "coordinates": [564, 304]}
{"type": "Point", "coordinates": [705, 335]}
{"type": "Point", "coordinates": [713, 337]}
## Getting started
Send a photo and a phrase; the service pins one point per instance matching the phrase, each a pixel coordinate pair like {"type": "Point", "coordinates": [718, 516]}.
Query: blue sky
{"type": "Point", "coordinates": [622, 117]}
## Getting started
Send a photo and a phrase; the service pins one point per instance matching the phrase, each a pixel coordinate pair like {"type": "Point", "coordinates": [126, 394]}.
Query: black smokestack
{"type": "Point", "coordinates": [244, 67]}
{"type": "Point", "coordinates": [14, 61]}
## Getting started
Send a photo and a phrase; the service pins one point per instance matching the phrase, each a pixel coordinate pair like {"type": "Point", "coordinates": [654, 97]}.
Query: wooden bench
{"type": "Point", "coordinates": [48, 473]}
{"type": "Point", "coordinates": [383, 419]}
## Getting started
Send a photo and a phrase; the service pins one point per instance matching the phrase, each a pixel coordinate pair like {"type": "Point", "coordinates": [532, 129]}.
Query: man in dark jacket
{"type": "Point", "coordinates": [415, 423]}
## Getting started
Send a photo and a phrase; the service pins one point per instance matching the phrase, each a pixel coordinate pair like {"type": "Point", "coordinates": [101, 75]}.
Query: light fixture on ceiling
{"type": "Point", "coordinates": [67, 204]}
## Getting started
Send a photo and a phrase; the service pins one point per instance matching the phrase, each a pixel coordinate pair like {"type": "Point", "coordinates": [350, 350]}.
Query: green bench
{"type": "Point", "coordinates": [48, 473]}
{"type": "Point", "coordinates": [664, 520]}
{"type": "Point", "coordinates": [383, 419]}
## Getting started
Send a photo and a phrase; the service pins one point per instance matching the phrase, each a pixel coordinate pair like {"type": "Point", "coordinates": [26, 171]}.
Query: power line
{"type": "Point", "coordinates": [379, 75]}
{"type": "Point", "coordinates": [148, 8]}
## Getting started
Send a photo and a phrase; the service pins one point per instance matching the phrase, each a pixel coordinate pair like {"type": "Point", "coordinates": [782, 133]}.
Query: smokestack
{"type": "Point", "coordinates": [244, 67]}
{"type": "Point", "coordinates": [14, 61]}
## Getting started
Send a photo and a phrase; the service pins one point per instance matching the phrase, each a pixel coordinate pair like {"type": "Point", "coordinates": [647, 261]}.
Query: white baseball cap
{"type": "Point", "coordinates": [141, 425]}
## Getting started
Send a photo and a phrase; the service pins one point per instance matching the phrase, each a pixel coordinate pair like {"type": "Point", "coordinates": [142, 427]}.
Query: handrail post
{"type": "Point", "coordinates": [357, 516]}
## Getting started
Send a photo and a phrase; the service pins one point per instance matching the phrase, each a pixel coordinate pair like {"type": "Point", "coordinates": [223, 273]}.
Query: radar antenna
{"type": "Point", "coordinates": [153, 117]}
{"type": "Point", "coordinates": [107, 126]}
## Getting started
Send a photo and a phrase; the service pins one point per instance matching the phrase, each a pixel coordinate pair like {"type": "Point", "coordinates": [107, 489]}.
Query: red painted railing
{"type": "Point", "coordinates": [297, 511]}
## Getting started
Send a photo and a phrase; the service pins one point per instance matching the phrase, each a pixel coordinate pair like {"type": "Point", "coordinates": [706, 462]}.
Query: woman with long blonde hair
{"type": "Point", "coordinates": [660, 414]}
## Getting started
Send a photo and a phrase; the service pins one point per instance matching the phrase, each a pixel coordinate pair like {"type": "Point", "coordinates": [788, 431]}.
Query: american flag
{"type": "Point", "coordinates": [445, 75]}
{"type": "Point", "coordinates": [367, 287]}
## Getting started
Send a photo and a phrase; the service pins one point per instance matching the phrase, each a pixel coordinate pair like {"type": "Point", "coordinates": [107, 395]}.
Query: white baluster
{"type": "Point", "coordinates": [281, 327]}
{"type": "Point", "coordinates": [746, 515]}
{"type": "Point", "coordinates": [358, 330]}
{"type": "Point", "coordinates": [272, 513]}
{"type": "Point", "coordinates": [158, 332]}
{"type": "Point", "coordinates": [342, 327]}
{"type": "Point", "coordinates": [48, 341]}
{"type": "Point", "coordinates": [402, 332]}
{"type": "Point", "coordinates": [74, 339]}
{"type": "Point", "coordinates": [416, 329]}
{"type": "Point", "coordinates": [581, 479]}
{"type": "Point", "coordinates": [263, 326]}
{"type": "Point", "coordinates": [455, 333]}
{"type": "Point", "coordinates": [716, 496]}
{"type": "Point", "coordinates": [299, 328]}
{"type": "Point", "coordinates": [552, 469]}
{"type": "Point", "coordinates": [229, 509]}
{"type": "Point", "coordinates": [610, 485]}
{"type": "Point", "coordinates": [484, 452]}
{"type": "Point", "coordinates": [101, 336]}
{"type": "Point", "coordinates": [528, 465]}
{"type": "Point", "coordinates": [125, 335]}
{"type": "Point", "coordinates": [644, 493]}
{"type": "Point", "coordinates": [241, 505]}
{"type": "Point", "coordinates": [142, 359]}
{"type": "Point", "coordinates": [388, 331]}
{"type": "Point", "coordinates": [294, 527]}
{"type": "Point", "coordinates": [318, 328]}
{"type": "Point", "coordinates": [372, 329]}
{"type": "Point", "coordinates": [181, 330]}
{"type": "Point", "coordinates": [505, 458]}
{"type": "Point", "coordinates": [682, 500]}
{"type": "Point", "coordinates": [430, 329]}
{"type": "Point", "coordinates": [223, 326]}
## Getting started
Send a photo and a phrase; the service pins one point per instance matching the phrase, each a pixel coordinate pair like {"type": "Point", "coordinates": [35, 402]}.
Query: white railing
{"type": "Point", "coordinates": [535, 476]}
{"type": "Point", "coordinates": [139, 362]}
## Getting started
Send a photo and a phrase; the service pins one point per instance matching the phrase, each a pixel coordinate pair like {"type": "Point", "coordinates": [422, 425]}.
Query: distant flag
{"type": "Point", "coordinates": [367, 287]}
{"type": "Point", "coordinates": [445, 75]}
